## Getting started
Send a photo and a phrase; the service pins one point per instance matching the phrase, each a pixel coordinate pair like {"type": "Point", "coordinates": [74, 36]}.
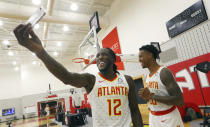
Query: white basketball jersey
{"type": "Point", "coordinates": [109, 102]}
{"type": "Point", "coordinates": [156, 86]}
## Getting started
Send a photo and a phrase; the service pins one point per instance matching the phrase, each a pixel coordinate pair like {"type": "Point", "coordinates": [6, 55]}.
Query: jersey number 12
{"type": "Point", "coordinates": [113, 109]}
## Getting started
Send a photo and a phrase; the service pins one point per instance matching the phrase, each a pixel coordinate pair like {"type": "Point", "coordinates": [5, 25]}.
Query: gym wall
{"type": "Point", "coordinates": [192, 43]}
{"type": "Point", "coordinates": [11, 103]}
{"type": "Point", "coordinates": [142, 22]}
{"type": "Point", "coordinates": [181, 54]}
{"type": "Point", "coordinates": [30, 100]}
{"type": "Point", "coordinates": [29, 80]}
{"type": "Point", "coordinates": [33, 99]}
{"type": "Point", "coordinates": [25, 87]}
{"type": "Point", "coordinates": [10, 82]}
{"type": "Point", "coordinates": [36, 79]}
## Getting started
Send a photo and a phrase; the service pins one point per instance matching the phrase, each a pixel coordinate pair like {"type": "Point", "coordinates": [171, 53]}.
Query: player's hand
{"type": "Point", "coordinates": [27, 38]}
{"type": "Point", "coordinates": [144, 93]}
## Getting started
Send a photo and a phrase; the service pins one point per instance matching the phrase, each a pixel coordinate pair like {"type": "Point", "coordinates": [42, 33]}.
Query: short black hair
{"type": "Point", "coordinates": [114, 56]}
{"type": "Point", "coordinates": [152, 49]}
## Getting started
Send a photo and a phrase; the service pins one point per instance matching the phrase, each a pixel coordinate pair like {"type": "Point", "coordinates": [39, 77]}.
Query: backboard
{"type": "Point", "coordinates": [89, 48]}
{"type": "Point", "coordinates": [94, 21]}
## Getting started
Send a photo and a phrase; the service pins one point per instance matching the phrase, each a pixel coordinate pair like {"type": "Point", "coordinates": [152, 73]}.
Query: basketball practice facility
{"type": "Point", "coordinates": [76, 34]}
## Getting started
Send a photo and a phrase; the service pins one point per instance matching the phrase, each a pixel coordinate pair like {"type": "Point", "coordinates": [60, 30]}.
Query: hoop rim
{"type": "Point", "coordinates": [80, 60]}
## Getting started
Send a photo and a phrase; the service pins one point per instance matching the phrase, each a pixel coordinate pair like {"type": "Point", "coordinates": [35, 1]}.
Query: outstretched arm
{"type": "Point", "coordinates": [135, 114]}
{"type": "Point", "coordinates": [27, 38]}
{"type": "Point", "coordinates": [75, 79]}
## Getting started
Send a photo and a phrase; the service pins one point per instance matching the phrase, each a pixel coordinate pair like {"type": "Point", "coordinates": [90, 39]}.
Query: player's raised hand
{"type": "Point", "coordinates": [27, 38]}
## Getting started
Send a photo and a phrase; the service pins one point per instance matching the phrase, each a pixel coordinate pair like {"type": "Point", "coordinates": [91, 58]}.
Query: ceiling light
{"type": "Point", "coordinates": [10, 53]}
{"type": "Point", "coordinates": [33, 54]}
{"type": "Point", "coordinates": [1, 23]}
{"type": "Point", "coordinates": [16, 68]}
{"type": "Point", "coordinates": [34, 62]}
{"type": "Point", "coordinates": [65, 28]}
{"type": "Point", "coordinates": [74, 7]}
{"type": "Point", "coordinates": [14, 62]}
{"type": "Point", "coordinates": [59, 44]}
{"type": "Point", "coordinates": [6, 42]}
{"type": "Point", "coordinates": [36, 2]}
{"type": "Point", "coordinates": [55, 53]}
{"type": "Point", "coordinates": [36, 26]}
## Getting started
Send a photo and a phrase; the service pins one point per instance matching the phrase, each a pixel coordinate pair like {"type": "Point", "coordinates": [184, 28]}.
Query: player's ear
{"type": "Point", "coordinates": [149, 54]}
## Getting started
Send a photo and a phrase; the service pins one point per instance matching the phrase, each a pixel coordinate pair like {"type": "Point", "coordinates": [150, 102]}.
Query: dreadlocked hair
{"type": "Point", "coordinates": [152, 49]}
{"type": "Point", "coordinates": [114, 56]}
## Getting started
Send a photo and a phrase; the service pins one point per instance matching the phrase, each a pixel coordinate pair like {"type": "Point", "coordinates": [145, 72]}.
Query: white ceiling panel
{"type": "Point", "coordinates": [62, 15]}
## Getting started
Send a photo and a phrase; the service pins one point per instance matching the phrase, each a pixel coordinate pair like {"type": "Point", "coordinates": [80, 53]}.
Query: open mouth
{"type": "Point", "coordinates": [101, 64]}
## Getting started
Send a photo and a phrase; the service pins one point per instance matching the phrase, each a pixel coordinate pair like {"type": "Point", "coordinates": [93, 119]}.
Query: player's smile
{"type": "Point", "coordinates": [102, 60]}
{"type": "Point", "coordinates": [101, 64]}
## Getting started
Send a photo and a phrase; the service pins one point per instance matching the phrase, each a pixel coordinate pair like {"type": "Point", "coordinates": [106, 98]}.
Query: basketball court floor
{"type": "Point", "coordinates": [42, 122]}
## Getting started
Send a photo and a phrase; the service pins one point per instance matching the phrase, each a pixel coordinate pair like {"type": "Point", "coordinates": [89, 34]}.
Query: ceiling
{"type": "Point", "coordinates": [50, 31]}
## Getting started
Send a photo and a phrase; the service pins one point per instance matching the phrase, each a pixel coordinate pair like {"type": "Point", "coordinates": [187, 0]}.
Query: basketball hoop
{"type": "Point", "coordinates": [80, 60]}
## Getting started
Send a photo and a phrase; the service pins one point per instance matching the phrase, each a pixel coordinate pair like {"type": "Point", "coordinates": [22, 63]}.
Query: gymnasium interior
{"type": "Point", "coordinates": [71, 32]}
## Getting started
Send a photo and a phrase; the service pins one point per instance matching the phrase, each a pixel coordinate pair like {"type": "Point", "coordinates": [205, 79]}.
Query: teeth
{"type": "Point", "coordinates": [101, 62]}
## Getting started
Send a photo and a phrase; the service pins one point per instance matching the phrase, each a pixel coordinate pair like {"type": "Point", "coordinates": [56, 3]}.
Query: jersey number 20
{"type": "Point", "coordinates": [113, 109]}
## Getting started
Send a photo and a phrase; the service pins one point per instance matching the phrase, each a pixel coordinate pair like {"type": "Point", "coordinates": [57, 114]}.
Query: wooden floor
{"type": "Point", "coordinates": [31, 122]}
{"type": "Point", "coordinates": [42, 122]}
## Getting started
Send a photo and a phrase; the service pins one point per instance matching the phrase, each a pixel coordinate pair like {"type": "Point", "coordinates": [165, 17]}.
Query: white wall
{"type": "Point", "coordinates": [140, 22]}
{"type": "Point", "coordinates": [192, 43]}
{"type": "Point", "coordinates": [27, 86]}
{"type": "Point", "coordinates": [10, 91]}
{"type": "Point", "coordinates": [10, 83]}
{"type": "Point", "coordinates": [36, 79]}
{"type": "Point", "coordinates": [30, 79]}
{"type": "Point", "coordinates": [31, 100]}
{"type": "Point", "coordinates": [11, 103]}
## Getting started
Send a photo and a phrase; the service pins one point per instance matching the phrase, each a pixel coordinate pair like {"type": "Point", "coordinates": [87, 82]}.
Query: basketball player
{"type": "Point", "coordinates": [111, 94]}
{"type": "Point", "coordinates": [162, 92]}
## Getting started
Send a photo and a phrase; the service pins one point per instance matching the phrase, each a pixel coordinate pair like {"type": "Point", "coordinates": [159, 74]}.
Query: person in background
{"type": "Point", "coordinates": [47, 110]}
{"type": "Point", "coordinates": [162, 91]}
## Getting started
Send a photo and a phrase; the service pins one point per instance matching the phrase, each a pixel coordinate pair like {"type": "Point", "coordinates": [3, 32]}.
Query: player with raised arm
{"type": "Point", "coordinates": [112, 95]}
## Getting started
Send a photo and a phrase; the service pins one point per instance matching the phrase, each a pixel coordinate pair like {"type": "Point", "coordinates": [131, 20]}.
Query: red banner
{"type": "Point", "coordinates": [112, 41]}
{"type": "Point", "coordinates": [191, 82]}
